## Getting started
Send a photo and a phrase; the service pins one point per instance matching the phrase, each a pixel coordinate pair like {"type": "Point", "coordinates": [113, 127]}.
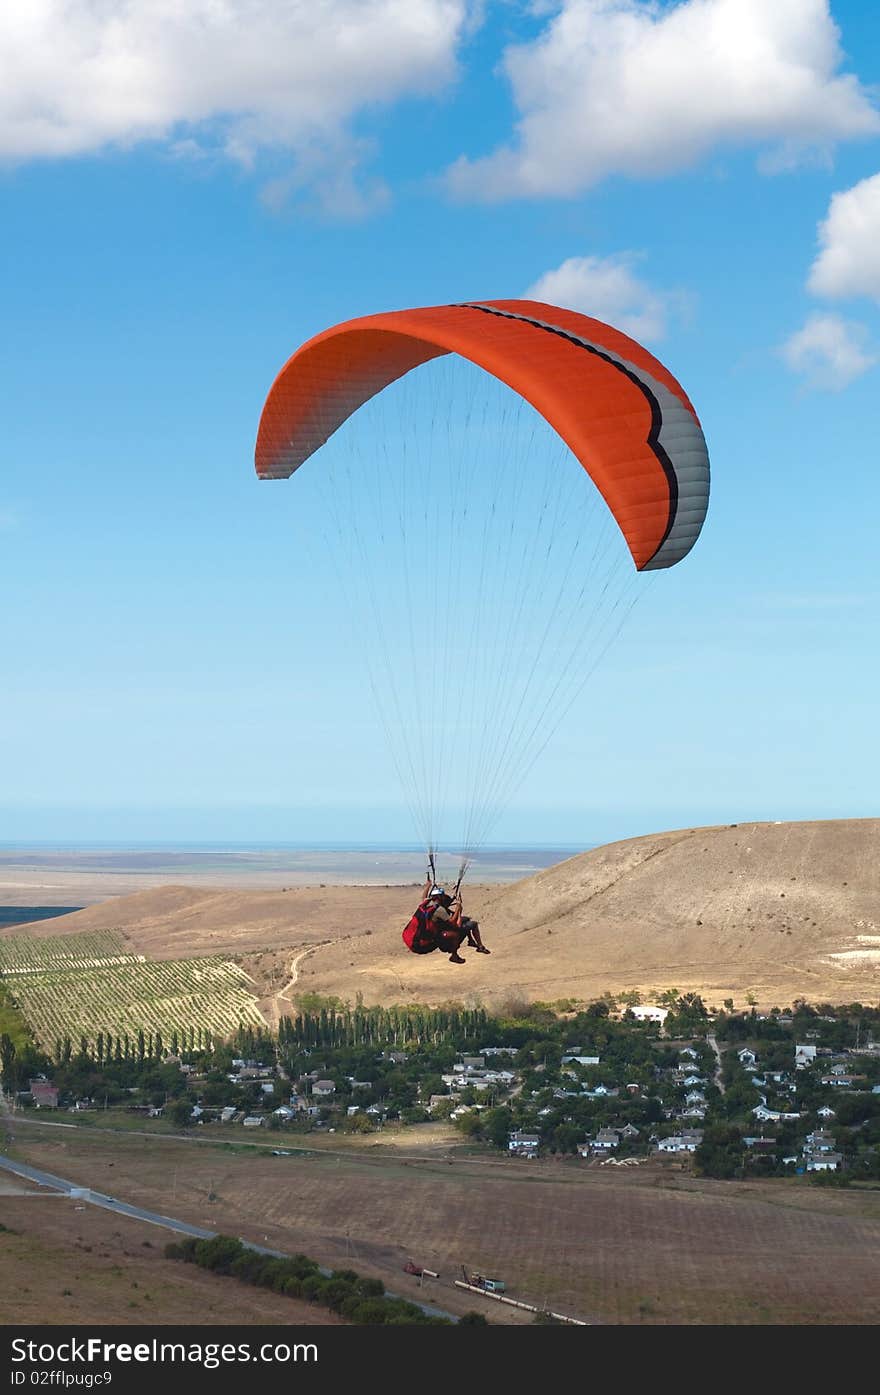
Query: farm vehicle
{"type": "Point", "coordinates": [480, 1281]}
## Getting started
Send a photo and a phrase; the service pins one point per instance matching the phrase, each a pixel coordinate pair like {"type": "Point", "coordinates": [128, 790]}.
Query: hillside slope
{"type": "Point", "coordinates": [770, 910]}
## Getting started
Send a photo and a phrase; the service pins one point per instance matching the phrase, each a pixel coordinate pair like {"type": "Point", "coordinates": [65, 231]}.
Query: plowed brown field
{"type": "Point", "coordinates": [654, 1246]}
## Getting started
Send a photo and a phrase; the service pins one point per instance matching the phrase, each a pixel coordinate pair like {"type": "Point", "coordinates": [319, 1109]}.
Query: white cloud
{"type": "Point", "coordinates": [237, 75]}
{"type": "Point", "coordinates": [607, 288]}
{"type": "Point", "coordinates": [849, 262]}
{"type": "Point", "coordinates": [639, 88]}
{"type": "Point", "coordinates": [829, 351]}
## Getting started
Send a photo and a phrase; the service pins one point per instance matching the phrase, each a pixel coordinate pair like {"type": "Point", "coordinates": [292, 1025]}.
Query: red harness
{"type": "Point", "coordinates": [420, 933]}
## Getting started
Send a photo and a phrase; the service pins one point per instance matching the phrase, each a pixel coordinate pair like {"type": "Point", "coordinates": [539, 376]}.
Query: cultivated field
{"type": "Point", "coordinates": [81, 985]}
{"type": "Point", "coordinates": [654, 1246]}
{"type": "Point", "coordinates": [19, 955]}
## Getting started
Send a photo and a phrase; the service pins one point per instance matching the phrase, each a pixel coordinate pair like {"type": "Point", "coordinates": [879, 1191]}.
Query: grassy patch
{"type": "Point", "coordinates": [12, 1021]}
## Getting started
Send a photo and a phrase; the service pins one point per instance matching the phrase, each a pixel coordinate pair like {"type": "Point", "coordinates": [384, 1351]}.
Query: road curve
{"type": "Point", "coordinates": [137, 1213]}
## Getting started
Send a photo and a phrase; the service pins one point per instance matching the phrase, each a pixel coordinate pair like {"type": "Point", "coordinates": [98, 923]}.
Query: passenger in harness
{"type": "Point", "coordinates": [438, 923]}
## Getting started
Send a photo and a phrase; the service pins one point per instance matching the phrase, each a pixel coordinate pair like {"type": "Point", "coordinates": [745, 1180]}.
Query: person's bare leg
{"type": "Point", "coordinates": [455, 957]}
{"type": "Point", "coordinates": [473, 934]}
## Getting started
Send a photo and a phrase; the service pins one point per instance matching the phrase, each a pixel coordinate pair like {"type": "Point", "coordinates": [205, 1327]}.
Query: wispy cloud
{"type": "Point", "coordinates": [607, 288]}
{"type": "Point", "coordinates": [829, 351]}
{"type": "Point", "coordinates": [638, 88]}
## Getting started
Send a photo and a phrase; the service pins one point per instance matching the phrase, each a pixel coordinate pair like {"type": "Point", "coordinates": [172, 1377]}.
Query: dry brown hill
{"type": "Point", "coordinates": [772, 910]}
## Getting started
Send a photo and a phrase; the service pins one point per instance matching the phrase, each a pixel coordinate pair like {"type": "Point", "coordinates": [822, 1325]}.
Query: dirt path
{"type": "Point", "coordinates": [271, 1006]}
{"type": "Point", "coordinates": [717, 1076]}
{"type": "Point", "coordinates": [294, 970]}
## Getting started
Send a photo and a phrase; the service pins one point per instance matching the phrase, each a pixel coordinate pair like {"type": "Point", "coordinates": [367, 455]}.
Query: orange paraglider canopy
{"type": "Point", "coordinates": [620, 411]}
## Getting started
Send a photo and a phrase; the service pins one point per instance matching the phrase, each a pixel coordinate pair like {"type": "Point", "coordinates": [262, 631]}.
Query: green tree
{"type": "Point", "coordinates": [496, 1126]}
{"type": "Point", "coordinates": [180, 1113]}
{"type": "Point", "coordinates": [7, 1057]}
{"type": "Point", "coordinates": [721, 1153]}
{"type": "Point", "coordinates": [566, 1138]}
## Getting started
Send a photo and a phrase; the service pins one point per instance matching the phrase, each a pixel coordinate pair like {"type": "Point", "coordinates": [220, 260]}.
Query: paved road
{"type": "Point", "coordinates": [109, 1203]}
{"type": "Point", "coordinates": [137, 1213]}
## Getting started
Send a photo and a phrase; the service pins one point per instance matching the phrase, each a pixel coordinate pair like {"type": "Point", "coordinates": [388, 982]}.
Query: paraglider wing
{"type": "Point", "coordinates": [620, 411]}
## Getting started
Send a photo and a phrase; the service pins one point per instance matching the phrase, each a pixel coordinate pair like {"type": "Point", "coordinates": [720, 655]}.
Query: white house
{"type": "Point", "coordinates": [762, 1112]}
{"type": "Point", "coordinates": [254, 1121]}
{"type": "Point", "coordinates": [747, 1057]}
{"type": "Point", "coordinates": [605, 1140]}
{"type": "Point", "coordinates": [323, 1087]}
{"type": "Point", "coordinates": [686, 1142]}
{"type": "Point", "coordinates": [804, 1054]}
{"type": "Point", "coordinates": [819, 1141]}
{"type": "Point", "coordinates": [523, 1145]}
{"type": "Point", "coordinates": [650, 1013]}
{"type": "Point", "coordinates": [823, 1162]}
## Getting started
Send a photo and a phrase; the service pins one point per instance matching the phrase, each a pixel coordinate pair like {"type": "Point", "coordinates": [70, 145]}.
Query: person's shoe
{"type": "Point", "coordinates": [456, 959]}
{"type": "Point", "coordinates": [481, 949]}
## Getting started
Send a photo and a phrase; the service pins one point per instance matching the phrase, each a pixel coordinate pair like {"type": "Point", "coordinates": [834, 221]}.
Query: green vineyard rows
{"type": "Point", "coordinates": [82, 985]}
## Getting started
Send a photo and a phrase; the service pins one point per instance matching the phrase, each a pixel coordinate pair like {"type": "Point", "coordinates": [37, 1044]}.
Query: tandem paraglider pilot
{"type": "Point", "coordinates": [438, 923]}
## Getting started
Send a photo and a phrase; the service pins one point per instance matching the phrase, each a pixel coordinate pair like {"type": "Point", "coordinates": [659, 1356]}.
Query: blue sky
{"type": "Point", "coordinates": [190, 191]}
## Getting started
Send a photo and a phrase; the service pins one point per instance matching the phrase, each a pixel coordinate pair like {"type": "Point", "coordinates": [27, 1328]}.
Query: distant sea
{"type": "Point", "coordinates": [28, 866]}
{"type": "Point", "coordinates": [23, 915]}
